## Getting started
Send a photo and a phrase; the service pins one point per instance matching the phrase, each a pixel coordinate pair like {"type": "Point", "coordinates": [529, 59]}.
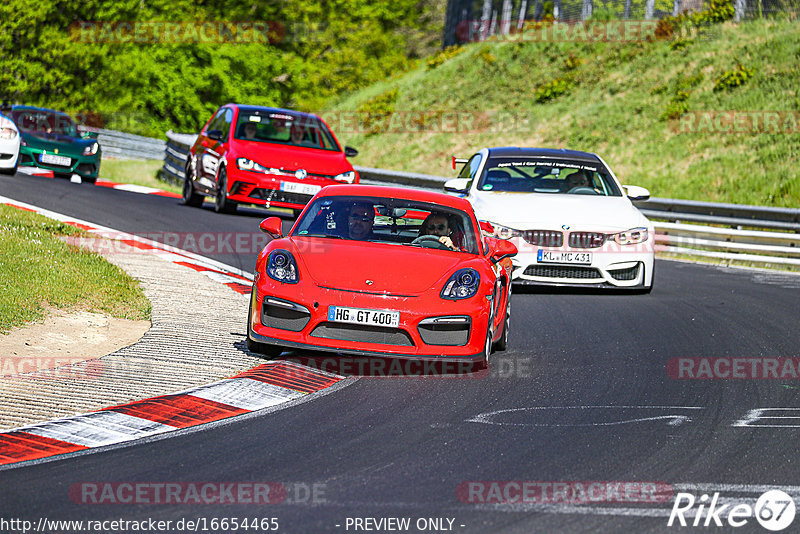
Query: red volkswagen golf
{"type": "Point", "coordinates": [267, 156]}
{"type": "Point", "coordinates": [382, 271]}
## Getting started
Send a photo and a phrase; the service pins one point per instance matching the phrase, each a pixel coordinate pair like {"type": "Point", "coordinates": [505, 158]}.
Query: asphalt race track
{"type": "Point", "coordinates": [582, 395]}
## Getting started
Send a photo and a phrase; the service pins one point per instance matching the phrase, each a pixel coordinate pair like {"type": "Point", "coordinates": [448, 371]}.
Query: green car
{"type": "Point", "coordinates": [50, 140]}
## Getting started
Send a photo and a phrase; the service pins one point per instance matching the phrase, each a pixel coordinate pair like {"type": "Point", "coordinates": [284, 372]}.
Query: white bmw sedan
{"type": "Point", "coordinates": [572, 221]}
{"type": "Point", "coordinates": [9, 145]}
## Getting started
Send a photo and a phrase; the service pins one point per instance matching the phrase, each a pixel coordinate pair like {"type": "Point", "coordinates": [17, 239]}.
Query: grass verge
{"type": "Point", "coordinates": [137, 172]}
{"type": "Point", "coordinates": [37, 270]}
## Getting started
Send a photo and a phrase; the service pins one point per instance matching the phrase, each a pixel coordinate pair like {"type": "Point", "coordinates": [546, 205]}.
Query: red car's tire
{"type": "Point", "coordinates": [222, 204]}
{"type": "Point", "coordinates": [189, 197]}
{"type": "Point", "coordinates": [502, 344]}
{"type": "Point", "coordinates": [271, 351]}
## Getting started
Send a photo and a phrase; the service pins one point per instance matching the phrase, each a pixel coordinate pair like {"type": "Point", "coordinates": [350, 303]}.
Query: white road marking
{"type": "Point", "coordinates": [137, 188]}
{"type": "Point", "coordinates": [673, 420]}
{"type": "Point", "coordinates": [98, 428]}
{"type": "Point", "coordinates": [753, 416]}
{"type": "Point", "coordinates": [245, 393]}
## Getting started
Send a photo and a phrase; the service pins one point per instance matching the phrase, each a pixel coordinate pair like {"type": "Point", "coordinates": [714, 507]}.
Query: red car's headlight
{"type": "Point", "coordinates": [282, 267]}
{"type": "Point", "coordinates": [462, 285]}
{"type": "Point", "coordinates": [250, 165]}
{"type": "Point", "coordinates": [347, 177]}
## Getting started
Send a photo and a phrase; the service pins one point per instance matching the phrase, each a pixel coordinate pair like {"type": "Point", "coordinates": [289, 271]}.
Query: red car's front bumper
{"type": "Point", "coordinates": [296, 316]}
{"type": "Point", "coordinates": [279, 190]}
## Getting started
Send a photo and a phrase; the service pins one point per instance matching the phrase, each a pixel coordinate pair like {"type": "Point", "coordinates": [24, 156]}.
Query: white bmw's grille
{"type": "Point", "coordinates": [543, 238]}
{"type": "Point", "coordinates": [586, 239]}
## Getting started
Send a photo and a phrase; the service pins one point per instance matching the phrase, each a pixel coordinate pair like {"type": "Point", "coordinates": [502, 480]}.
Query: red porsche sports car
{"type": "Point", "coordinates": [267, 156]}
{"type": "Point", "coordinates": [382, 271]}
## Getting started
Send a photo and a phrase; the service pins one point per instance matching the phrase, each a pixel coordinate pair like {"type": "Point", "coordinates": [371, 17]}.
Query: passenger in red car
{"type": "Point", "coordinates": [438, 224]}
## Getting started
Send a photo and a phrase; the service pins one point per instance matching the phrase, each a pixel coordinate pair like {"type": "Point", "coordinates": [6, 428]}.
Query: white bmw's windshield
{"type": "Point", "coordinates": [547, 175]}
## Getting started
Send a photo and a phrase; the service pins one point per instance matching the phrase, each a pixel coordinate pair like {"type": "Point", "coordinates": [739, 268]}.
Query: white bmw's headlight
{"type": "Point", "coordinates": [91, 150]}
{"type": "Point", "coordinates": [504, 232]}
{"type": "Point", "coordinates": [250, 165]}
{"type": "Point", "coordinates": [8, 133]}
{"type": "Point", "coordinates": [631, 237]}
{"type": "Point", "coordinates": [347, 177]}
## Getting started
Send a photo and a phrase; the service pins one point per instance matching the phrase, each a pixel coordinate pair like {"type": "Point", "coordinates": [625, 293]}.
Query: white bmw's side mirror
{"type": "Point", "coordinates": [634, 192]}
{"type": "Point", "coordinates": [457, 185]}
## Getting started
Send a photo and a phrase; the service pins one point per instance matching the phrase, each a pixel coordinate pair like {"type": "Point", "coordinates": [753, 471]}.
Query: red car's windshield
{"type": "Point", "coordinates": [394, 221]}
{"type": "Point", "coordinates": [285, 128]}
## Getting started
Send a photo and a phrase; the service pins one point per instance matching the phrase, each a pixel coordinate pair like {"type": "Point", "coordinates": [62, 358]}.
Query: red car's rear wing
{"type": "Point", "coordinates": [458, 160]}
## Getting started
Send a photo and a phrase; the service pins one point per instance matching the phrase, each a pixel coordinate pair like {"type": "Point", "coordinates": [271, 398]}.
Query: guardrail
{"type": "Point", "coordinates": [124, 145]}
{"type": "Point", "coordinates": [741, 232]}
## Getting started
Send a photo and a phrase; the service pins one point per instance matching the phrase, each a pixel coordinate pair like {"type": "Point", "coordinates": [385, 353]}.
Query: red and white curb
{"type": "Point", "coordinates": [238, 280]}
{"type": "Point", "coordinates": [262, 387]}
{"type": "Point", "coordinates": [132, 188]}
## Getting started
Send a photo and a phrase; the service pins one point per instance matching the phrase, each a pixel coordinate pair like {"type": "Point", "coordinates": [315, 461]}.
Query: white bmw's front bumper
{"type": "Point", "coordinates": [9, 152]}
{"type": "Point", "coordinates": [612, 265]}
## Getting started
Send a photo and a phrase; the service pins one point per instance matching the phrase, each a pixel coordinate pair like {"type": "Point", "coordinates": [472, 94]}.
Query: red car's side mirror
{"type": "Point", "coordinates": [272, 226]}
{"type": "Point", "coordinates": [500, 249]}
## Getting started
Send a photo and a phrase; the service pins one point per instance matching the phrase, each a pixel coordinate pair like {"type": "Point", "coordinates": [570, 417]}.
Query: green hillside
{"type": "Point", "coordinates": [612, 98]}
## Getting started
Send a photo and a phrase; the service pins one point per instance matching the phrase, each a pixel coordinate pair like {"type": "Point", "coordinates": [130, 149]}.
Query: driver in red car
{"type": "Point", "coordinates": [360, 218]}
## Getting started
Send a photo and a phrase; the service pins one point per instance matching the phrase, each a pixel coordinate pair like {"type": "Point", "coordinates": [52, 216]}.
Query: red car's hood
{"type": "Point", "coordinates": [395, 269]}
{"type": "Point", "coordinates": [313, 160]}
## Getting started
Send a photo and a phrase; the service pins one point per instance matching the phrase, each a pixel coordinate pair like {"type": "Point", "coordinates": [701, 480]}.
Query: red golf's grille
{"type": "Point", "coordinates": [543, 238]}
{"type": "Point", "coordinates": [586, 239]}
{"type": "Point", "coordinates": [274, 195]}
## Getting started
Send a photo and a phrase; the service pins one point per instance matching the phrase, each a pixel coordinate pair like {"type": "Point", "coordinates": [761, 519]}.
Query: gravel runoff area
{"type": "Point", "coordinates": [197, 336]}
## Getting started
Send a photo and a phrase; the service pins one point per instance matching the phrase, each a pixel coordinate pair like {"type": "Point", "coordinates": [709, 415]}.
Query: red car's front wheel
{"type": "Point", "coordinates": [222, 204]}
